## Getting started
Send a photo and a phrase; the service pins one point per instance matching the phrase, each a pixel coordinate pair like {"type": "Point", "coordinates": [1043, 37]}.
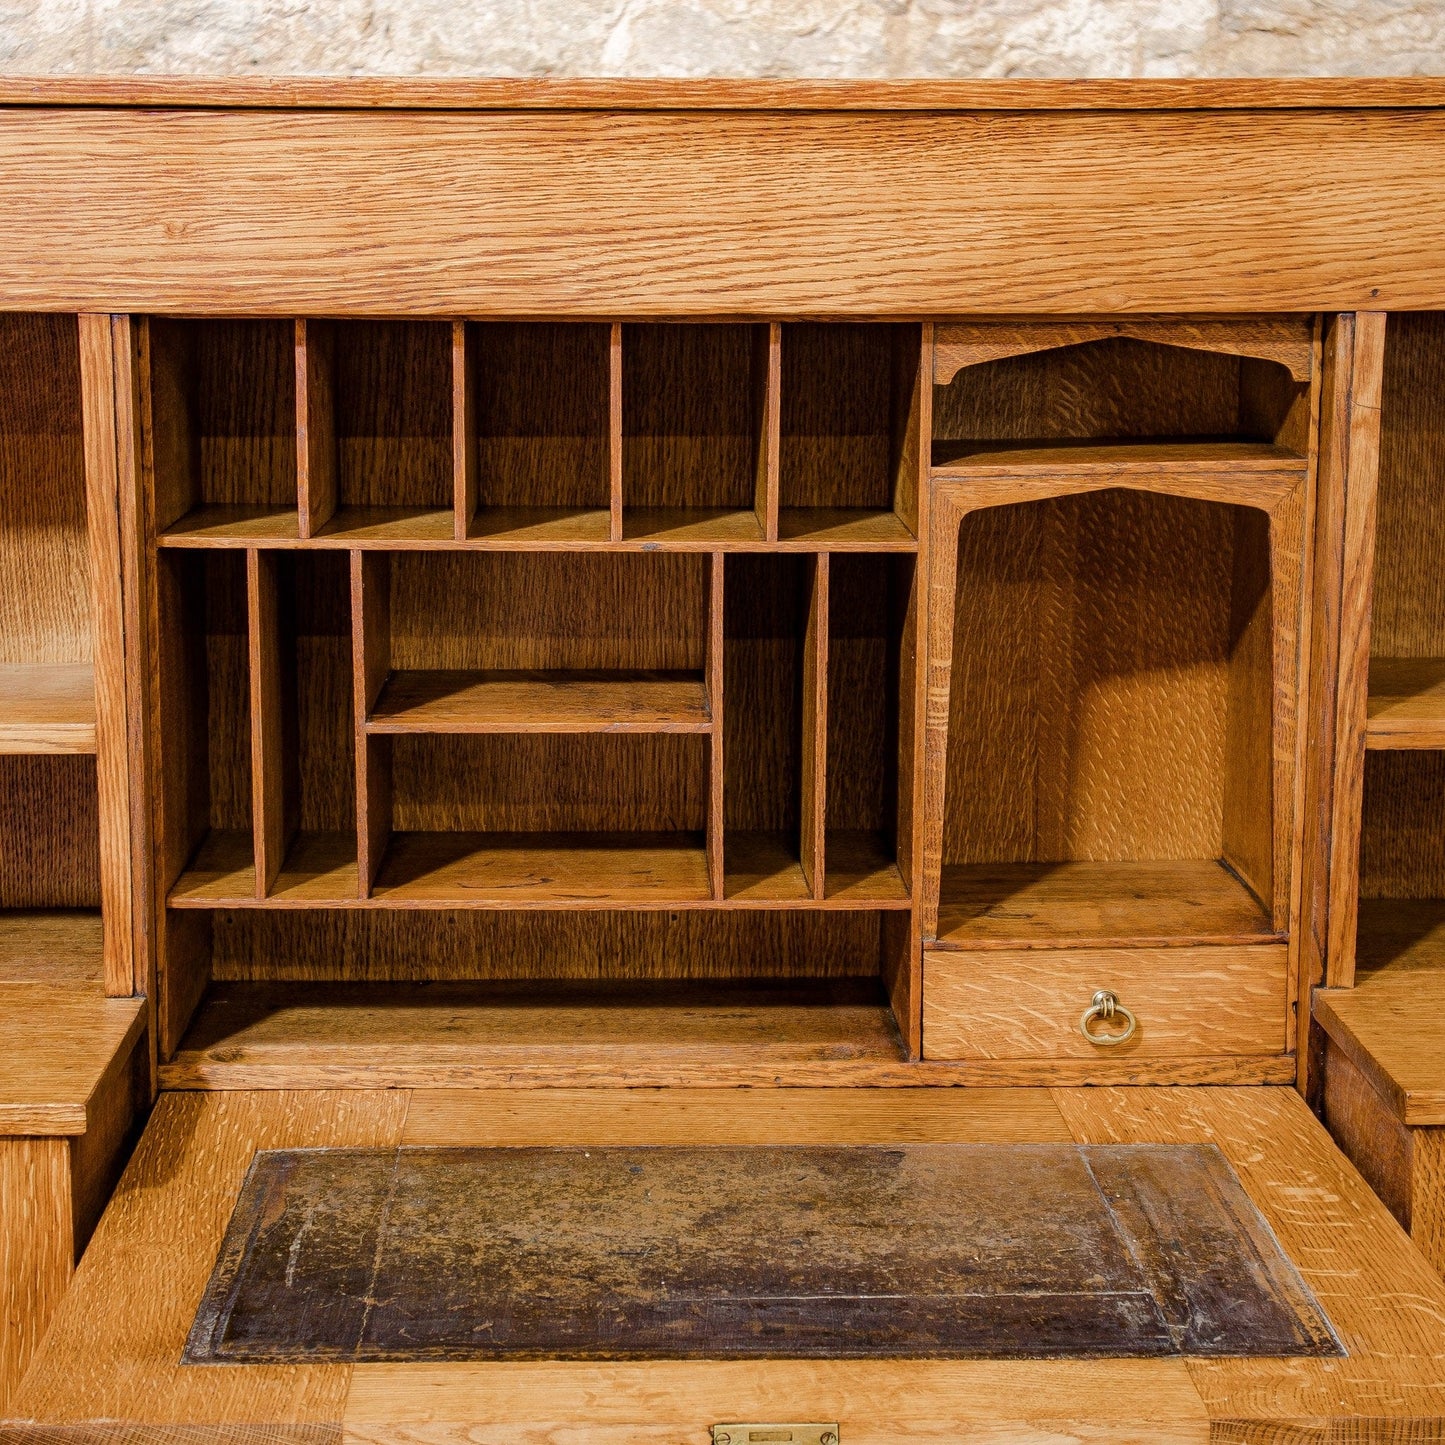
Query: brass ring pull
{"type": "Point", "coordinates": [1106, 1006]}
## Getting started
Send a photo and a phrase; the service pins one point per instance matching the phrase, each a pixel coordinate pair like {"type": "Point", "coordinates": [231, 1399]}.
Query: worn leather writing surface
{"type": "Point", "coordinates": [929, 1250]}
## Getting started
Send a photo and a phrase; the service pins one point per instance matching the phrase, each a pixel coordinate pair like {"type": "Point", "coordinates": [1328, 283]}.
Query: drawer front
{"type": "Point", "coordinates": [1208, 1002]}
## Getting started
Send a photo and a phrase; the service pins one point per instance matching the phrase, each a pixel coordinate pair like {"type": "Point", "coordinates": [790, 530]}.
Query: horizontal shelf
{"type": "Point", "coordinates": [1073, 905]}
{"type": "Point", "coordinates": [1088, 461]}
{"type": "Point", "coordinates": [63, 1040]}
{"type": "Point", "coordinates": [859, 871]}
{"type": "Point", "coordinates": [536, 870]}
{"type": "Point", "coordinates": [1407, 703]}
{"type": "Point", "coordinates": [53, 945]}
{"type": "Point", "coordinates": [827, 529]}
{"type": "Point", "coordinates": [47, 708]}
{"type": "Point", "coordinates": [265, 1035]}
{"type": "Point", "coordinates": [547, 530]}
{"type": "Point", "coordinates": [1391, 1024]}
{"type": "Point", "coordinates": [541, 702]}
{"type": "Point", "coordinates": [319, 872]}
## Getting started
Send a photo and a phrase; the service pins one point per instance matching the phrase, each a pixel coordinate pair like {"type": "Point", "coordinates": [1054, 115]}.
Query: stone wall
{"type": "Point", "coordinates": [864, 38]}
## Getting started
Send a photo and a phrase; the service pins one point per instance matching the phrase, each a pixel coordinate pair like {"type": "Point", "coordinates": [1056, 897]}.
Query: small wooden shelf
{"type": "Point", "coordinates": [63, 1042]}
{"type": "Point", "coordinates": [234, 526]}
{"type": "Point", "coordinates": [562, 528]}
{"type": "Point", "coordinates": [1087, 460]}
{"type": "Point", "coordinates": [838, 529]}
{"type": "Point", "coordinates": [319, 870]}
{"type": "Point", "coordinates": [53, 945]}
{"type": "Point", "coordinates": [861, 866]}
{"type": "Point", "coordinates": [1407, 703]}
{"type": "Point", "coordinates": [458, 870]}
{"type": "Point", "coordinates": [47, 708]}
{"type": "Point", "coordinates": [691, 528]}
{"type": "Point", "coordinates": [541, 702]}
{"type": "Point", "coordinates": [764, 868]}
{"type": "Point", "coordinates": [260, 1035]}
{"type": "Point", "coordinates": [1069, 905]}
{"type": "Point", "coordinates": [549, 529]}
{"type": "Point", "coordinates": [388, 526]}
{"type": "Point", "coordinates": [538, 870]}
{"type": "Point", "coordinates": [1391, 1024]}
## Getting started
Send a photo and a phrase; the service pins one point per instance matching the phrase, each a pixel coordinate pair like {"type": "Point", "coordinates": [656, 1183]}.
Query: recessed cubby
{"type": "Point", "coordinates": [222, 413]}
{"type": "Point", "coordinates": [375, 403]}
{"type": "Point", "coordinates": [1407, 624]}
{"type": "Point", "coordinates": [1110, 774]}
{"type": "Point", "coordinates": [694, 400]}
{"type": "Point", "coordinates": [203, 728]}
{"type": "Point", "coordinates": [1095, 396]}
{"type": "Point", "coordinates": [1402, 843]}
{"type": "Point", "coordinates": [560, 702]}
{"type": "Point", "coordinates": [467, 997]}
{"type": "Point", "coordinates": [867, 601]}
{"type": "Point", "coordinates": [770, 643]}
{"type": "Point", "coordinates": [846, 402]}
{"type": "Point", "coordinates": [573, 820]}
{"type": "Point", "coordinates": [534, 429]}
{"type": "Point", "coordinates": [49, 850]}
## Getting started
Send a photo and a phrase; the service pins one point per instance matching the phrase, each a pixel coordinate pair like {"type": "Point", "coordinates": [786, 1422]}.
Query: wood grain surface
{"type": "Point", "coordinates": [1406, 703]}
{"type": "Point", "coordinates": [1365, 1126]}
{"type": "Point", "coordinates": [170, 1214]}
{"type": "Point", "coordinates": [66, 1040]}
{"type": "Point", "coordinates": [109, 350]}
{"type": "Point", "coordinates": [550, 92]}
{"type": "Point", "coordinates": [36, 1249]}
{"type": "Point", "coordinates": [47, 708]}
{"type": "Point", "coordinates": [1344, 1242]}
{"type": "Point", "coordinates": [420, 945]}
{"type": "Point", "coordinates": [1388, 1026]}
{"type": "Point", "coordinates": [1006, 1004]}
{"type": "Point", "coordinates": [1351, 441]}
{"type": "Point", "coordinates": [1284, 339]}
{"type": "Point", "coordinates": [194, 1155]}
{"type": "Point", "coordinates": [1072, 905]}
{"type": "Point", "coordinates": [462, 1034]}
{"type": "Point", "coordinates": [981, 213]}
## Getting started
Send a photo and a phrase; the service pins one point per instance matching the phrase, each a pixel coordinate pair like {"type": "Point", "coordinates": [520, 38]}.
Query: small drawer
{"type": "Point", "coordinates": [1203, 1002]}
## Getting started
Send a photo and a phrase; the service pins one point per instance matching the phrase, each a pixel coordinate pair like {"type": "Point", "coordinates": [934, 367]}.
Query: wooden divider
{"type": "Point", "coordinates": [273, 820]}
{"type": "Point", "coordinates": [316, 492]}
{"type": "Point", "coordinates": [464, 431]}
{"type": "Point", "coordinates": [815, 730]}
{"type": "Point", "coordinates": [767, 390]}
{"type": "Point", "coordinates": [614, 433]}
{"type": "Point", "coordinates": [371, 663]}
{"type": "Point", "coordinates": [713, 687]}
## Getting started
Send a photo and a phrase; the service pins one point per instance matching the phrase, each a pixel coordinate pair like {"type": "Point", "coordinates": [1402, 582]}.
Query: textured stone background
{"type": "Point", "coordinates": [725, 37]}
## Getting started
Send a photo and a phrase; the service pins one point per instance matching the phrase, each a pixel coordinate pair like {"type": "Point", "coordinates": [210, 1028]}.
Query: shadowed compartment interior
{"type": "Point", "coordinates": [49, 855]}
{"type": "Point", "coordinates": [1109, 709]}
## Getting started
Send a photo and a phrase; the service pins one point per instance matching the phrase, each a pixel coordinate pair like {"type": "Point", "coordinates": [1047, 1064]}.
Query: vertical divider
{"type": "Point", "coordinates": [106, 391]}
{"type": "Point", "coordinates": [371, 662]}
{"type": "Point", "coordinates": [768, 391]}
{"type": "Point", "coordinates": [918, 864]}
{"type": "Point", "coordinates": [464, 430]}
{"type": "Point", "coordinates": [316, 492]}
{"type": "Point", "coordinates": [614, 434]}
{"type": "Point", "coordinates": [912, 409]}
{"type": "Point", "coordinates": [713, 684]}
{"type": "Point", "coordinates": [815, 731]}
{"type": "Point", "coordinates": [273, 821]}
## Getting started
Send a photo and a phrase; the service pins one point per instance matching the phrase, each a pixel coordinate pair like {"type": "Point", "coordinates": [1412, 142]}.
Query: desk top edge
{"type": "Point", "coordinates": [600, 93]}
